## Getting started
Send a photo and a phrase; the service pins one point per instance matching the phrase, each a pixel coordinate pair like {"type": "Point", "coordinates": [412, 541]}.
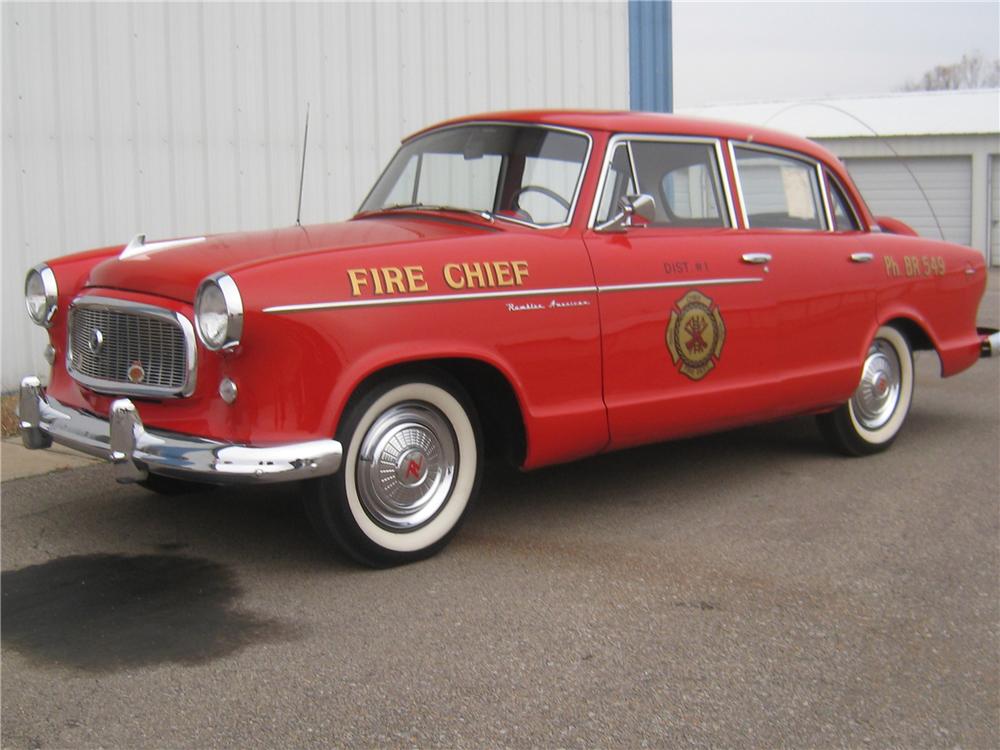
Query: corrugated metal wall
{"type": "Point", "coordinates": [177, 119]}
{"type": "Point", "coordinates": [933, 194]}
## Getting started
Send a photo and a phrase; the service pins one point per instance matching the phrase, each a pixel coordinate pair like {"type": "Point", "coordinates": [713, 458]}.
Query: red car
{"type": "Point", "coordinates": [544, 285]}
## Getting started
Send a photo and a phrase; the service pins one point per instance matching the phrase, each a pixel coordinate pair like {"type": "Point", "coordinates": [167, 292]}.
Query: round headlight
{"type": "Point", "coordinates": [218, 312]}
{"type": "Point", "coordinates": [41, 295]}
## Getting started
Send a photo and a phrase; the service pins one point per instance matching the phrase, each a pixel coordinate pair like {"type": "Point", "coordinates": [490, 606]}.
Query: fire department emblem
{"type": "Point", "coordinates": [136, 372]}
{"type": "Point", "coordinates": [695, 335]}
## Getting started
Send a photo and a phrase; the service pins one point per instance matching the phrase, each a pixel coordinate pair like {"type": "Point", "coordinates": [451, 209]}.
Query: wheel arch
{"type": "Point", "coordinates": [915, 332]}
{"type": "Point", "coordinates": [914, 328]}
{"type": "Point", "coordinates": [491, 391]}
{"type": "Point", "coordinates": [955, 350]}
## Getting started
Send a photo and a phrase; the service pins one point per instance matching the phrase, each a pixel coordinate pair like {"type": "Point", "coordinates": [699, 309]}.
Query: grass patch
{"type": "Point", "coordinates": [8, 414]}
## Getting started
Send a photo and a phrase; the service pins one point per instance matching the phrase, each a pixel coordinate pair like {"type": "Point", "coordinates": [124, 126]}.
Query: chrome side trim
{"type": "Point", "coordinates": [673, 284]}
{"type": "Point", "coordinates": [429, 298]}
{"type": "Point", "coordinates": [824, 190]}
{"type": "Point", "coordinates": [628, 138]}
{"type": "Point", "coordinates": [631, 166]}
{"type": "Point", "coordinates": [278, 309]}
{"type": "Point", "coordinates": [739, 185]}
{"type": "Point", "coordinates": [136, 452]}
{"type": "Point", "coordinates": [114, 387]}
{"type": "Point", "coordinates": [726, 189]}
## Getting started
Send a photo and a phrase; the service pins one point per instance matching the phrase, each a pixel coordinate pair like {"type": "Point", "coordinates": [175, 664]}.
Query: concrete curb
{"type": "Point", "coordinates": [17, 462]}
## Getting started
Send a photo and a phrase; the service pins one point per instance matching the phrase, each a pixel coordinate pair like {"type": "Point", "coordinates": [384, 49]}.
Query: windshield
{"type": "Point", "coordinates": [522, 173]}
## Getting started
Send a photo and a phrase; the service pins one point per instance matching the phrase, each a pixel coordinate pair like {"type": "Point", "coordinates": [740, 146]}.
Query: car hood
{"type": "Point", "coordinates": [174, 268]}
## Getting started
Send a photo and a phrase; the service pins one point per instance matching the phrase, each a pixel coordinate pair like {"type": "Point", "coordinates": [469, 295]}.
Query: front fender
{"type": "Point", "coordinates": [389, 356]}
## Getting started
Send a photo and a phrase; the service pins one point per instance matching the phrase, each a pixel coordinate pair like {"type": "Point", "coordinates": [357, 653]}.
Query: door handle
{"type": "Point", "coordinates": [756, 259]}
{"type": "Point", "coordinates": [862, 257]}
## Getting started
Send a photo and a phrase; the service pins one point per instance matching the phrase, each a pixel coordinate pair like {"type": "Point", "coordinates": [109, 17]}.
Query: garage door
{"type": "Point", "coordinates": [995, 210]}
{"type": "Point", "coordinates": [890, 190]}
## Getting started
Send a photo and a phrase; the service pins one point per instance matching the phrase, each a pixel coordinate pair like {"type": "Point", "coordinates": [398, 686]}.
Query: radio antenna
{"type": "Point", "coordinates": [302, 172]}
{"type": "Point", "coordinates": [900, 160]}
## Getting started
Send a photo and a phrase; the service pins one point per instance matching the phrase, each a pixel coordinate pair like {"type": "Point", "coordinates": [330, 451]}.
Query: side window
{"type": "Point", "coordinates": [778, 191]}
{"type": "Point", "coordinates": [684, 180]}
{"type": "Point", "coordinates": [843, 216]}
{"type": "Point", "coordinates": [617, 184]}
{"type": "Point", "coordinates": [690, 193]}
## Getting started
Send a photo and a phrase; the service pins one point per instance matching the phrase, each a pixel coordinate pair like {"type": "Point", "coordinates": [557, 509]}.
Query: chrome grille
{"type": "Point", "coordinates": [160, 342]}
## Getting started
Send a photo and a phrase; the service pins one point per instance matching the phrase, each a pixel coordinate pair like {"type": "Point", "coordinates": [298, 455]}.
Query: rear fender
{"type": "Point", "coordinates": [955, 354]}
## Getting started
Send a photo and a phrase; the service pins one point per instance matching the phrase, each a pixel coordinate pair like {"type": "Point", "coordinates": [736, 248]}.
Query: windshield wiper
{"type": "Point", "coordinates": [430, 207]}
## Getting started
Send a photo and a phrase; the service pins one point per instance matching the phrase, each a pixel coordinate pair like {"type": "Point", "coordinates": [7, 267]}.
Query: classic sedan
{"type": "Point", "coordinates": [540, 285]}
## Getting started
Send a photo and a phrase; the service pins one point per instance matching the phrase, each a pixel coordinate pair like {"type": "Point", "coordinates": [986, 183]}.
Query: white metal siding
{"type": "Point", "coordinates": [994, 256]}
{"type": "Point", "coordinates": [890, 190]}
{"type": "Point", "coordinates": [177, 119]}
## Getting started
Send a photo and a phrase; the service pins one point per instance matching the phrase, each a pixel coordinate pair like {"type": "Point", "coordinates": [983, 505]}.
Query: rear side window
{"type": "Point", "coordinates": [779, 192]}
{"type": "Point", "coordinates": [844, 219]}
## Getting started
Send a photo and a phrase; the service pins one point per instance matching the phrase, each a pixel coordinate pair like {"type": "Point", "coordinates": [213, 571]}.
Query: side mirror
{"type": "Point", "coordinates": [633, 211]}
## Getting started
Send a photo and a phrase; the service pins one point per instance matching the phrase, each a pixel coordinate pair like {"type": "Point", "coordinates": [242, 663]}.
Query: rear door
{"type": "Point", "coordinates": [822, 268]}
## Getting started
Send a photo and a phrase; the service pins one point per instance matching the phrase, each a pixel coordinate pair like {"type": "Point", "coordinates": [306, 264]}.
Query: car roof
{"type": "Point", "coordinates": [644, 123]}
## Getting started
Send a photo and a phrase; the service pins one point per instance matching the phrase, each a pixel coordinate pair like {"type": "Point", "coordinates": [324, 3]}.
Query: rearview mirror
{"type": "Point", "coordinates": [633, 211]}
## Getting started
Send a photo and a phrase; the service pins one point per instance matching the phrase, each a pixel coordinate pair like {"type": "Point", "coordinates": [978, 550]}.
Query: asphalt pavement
{"type": "Point", "coordinates": [748, 589]}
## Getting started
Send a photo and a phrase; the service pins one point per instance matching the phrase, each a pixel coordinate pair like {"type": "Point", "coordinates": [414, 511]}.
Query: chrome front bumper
{"type": "Point", "coordinates": [135, 452]}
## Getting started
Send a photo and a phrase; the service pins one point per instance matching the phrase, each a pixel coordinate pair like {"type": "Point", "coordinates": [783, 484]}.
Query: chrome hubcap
{"type": "Point", "coordinates": [406, 466]}
{"type": "Point", "coordinates": [877, 396]}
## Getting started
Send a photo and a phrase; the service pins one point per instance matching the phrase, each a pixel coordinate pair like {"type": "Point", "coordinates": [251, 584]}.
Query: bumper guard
{"type": "Point", "coordinates": [135, 452]}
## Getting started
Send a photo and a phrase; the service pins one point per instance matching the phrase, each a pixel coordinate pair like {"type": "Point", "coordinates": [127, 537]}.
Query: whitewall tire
{"type": "Point", "coordinates": [875, 414]}
{"type": "Point", "coordinates": [412, 464]}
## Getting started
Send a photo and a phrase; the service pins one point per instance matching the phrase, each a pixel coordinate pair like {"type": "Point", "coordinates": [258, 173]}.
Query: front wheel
{"type": "Point", "coordinates": [872, 419]}
{"type": "Point", "coordinates": [411, 468]}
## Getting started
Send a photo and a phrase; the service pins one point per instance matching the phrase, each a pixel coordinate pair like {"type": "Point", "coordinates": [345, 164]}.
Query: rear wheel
{"type": "Point", "coordinates": [412, 463]}
{"type": "Point", "coordinates": [872, 419]}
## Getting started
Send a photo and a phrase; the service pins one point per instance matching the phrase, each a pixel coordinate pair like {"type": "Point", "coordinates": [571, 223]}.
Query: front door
{"type": "Point", "coordinates": [687, 321]}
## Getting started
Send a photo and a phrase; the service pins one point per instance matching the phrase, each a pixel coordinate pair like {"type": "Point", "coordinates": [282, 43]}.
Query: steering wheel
{"type": "Point", "coordinates": [515, 201]}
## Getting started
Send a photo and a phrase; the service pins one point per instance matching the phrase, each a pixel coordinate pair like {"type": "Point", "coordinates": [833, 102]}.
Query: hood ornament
{"type": "Point", "coordinates": [139, 249]}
